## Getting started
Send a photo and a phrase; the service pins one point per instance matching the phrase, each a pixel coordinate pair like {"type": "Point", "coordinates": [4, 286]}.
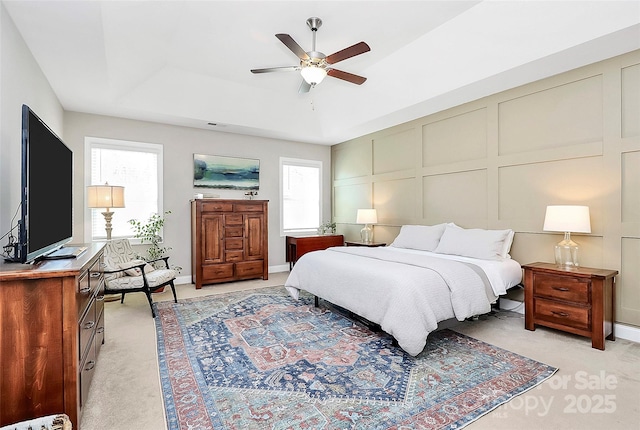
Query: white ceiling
{"type": "Point", "coordinates": [187, 62]}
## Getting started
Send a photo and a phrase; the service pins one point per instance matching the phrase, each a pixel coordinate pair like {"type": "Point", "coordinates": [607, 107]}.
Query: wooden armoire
{"type": "Point", "coordinates": [229, 240]}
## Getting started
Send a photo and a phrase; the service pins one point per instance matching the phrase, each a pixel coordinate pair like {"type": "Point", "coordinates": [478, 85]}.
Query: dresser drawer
{"type": "Point", "coordinates": [233, 256]}
{"type": "Point", "coordinates": [563, 314]}
{"type": "Point", "coordinates": [87, 369]}
{"type": "Point", "coordinates": [249, 207]}
{"type": "Point", "coordinates": [233, 219]}
{"type": "Point", "coordinates": [562, 287]}
{"type": "Point", "coordinates": [87, 328]}
{"type": "Point", "coordinates": [249, 268]}
{"type": "Point", "coordinates": [233, 243]}
{"type": "Point", "coordinates": [233, 231]}
{"type": "Point", "coordinates": [217, 271]}
{"type": "Point", "coordinates": [217, 207]}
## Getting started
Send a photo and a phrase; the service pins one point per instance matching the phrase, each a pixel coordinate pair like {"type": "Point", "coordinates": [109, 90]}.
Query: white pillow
{"type": "Point", "coordinates": [136, 271]}
{"type": "Point", "coordinates": [422, 237]}
{"type": "Point", "coordinates": [475, 242]}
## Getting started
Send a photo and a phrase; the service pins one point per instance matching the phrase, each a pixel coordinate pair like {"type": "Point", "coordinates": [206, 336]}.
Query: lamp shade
{"type": "Point", "coordinates": [313, 74]}
{"type": "Point", "coordinates": [105, 196]}
{"type": "Point", "coordinates": [567, 218]}
{"type": "Point", "coordinates": [367, 216]}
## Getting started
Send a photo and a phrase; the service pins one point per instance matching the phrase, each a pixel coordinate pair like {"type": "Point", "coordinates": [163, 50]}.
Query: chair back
{"type": "Point", "coordinates": [117, 251]}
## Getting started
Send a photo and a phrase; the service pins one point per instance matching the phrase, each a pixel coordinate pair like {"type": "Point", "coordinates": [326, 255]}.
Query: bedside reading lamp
{"type": "Point", "coordinates": [567, 219]}
{"type": "Point", "coordinates": [367, 217]}
{"type": "Point", "coordinates": [105, 196]}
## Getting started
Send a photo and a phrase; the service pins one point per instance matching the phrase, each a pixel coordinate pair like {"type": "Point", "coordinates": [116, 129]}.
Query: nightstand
{"type": "Point", "coordinates": [576, 300]}
{"type": "Point", "coordinates": [370, 245]}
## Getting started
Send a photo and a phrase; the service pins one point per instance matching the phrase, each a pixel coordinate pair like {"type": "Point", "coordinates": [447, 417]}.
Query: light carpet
{"type": "Point", "coordinates": [258, 359]}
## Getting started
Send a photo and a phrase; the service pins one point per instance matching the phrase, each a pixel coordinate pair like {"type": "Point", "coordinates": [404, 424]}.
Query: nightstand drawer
{"type": "Point", "coordinates": [559, 313]}
{"type": "Point", "coordinates": [562, 287]}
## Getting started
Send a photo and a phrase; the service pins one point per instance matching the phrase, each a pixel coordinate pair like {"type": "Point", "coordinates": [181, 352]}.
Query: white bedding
{"type": "Point", "coordinates": [406, 292]}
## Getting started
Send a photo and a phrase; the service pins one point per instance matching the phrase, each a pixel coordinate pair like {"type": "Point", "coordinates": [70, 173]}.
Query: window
{"type": "Point", "coordinates": [300, 195]}
{"type": "Point", "coordinates": [135, 166]}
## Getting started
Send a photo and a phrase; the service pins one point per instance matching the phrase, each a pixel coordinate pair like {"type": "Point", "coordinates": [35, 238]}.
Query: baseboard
{"type": "Point", "coordinates": [186, 279]}
{"type": "Point", "coordinates": [627, 332]}
{"type": "Point", "coordinates": [280, 268]}
{"type": "Point", "coordinates": [511, 305]}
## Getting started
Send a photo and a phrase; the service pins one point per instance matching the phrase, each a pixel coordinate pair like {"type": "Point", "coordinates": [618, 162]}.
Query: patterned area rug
{"type": "Point", "coordinates": [260, 360]}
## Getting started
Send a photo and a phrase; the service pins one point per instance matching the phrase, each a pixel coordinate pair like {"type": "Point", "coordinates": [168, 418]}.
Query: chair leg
{"type": "Point", "coordinates": [148, 293]}
{"type": "Point", "coordinates": [122, 298]}
{"type": "Point", "coordinates": [173, 288]}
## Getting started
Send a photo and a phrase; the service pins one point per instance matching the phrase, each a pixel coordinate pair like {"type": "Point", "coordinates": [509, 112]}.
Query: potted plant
{"type": "Point", "coordinates": [149, 232]}
{"type": "Point", "coordinates": [328, 227]}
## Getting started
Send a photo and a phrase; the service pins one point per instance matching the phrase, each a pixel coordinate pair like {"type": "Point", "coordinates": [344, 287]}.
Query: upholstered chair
{"type": "Point", "coordinates": [125, 273]}
{"type": "Point", "coordinates": [49, 422]}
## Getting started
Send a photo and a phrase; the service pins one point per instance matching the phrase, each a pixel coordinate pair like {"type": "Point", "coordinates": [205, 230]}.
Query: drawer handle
{"type": "Point", "coordinates": [99, 298]}
{"type": "Point", "coordinates": [95, 274]}
{"type": "Point", "coordinates": [85, 290]}
{"type": "Point", "coordinates": [563, 289]}
{"type": "Point", "coordinates": [100, 330]}
{"type": "Point", "coordinates": [89, 325]}
{"type": "Point", "coordinates": [560, 314]}
{"type": "Point", "coordinates": [90, 365]}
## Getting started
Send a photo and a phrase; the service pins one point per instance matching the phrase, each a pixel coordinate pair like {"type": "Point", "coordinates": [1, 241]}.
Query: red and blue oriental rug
{"type": "Point", "coordinates": [260, 360]}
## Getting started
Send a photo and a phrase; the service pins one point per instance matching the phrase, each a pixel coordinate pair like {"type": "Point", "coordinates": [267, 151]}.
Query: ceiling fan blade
{"type": "Point", "coordinates": [304, 87]}
{"type": "Point", "coordinates": [346, 76]}
{"type": "Point", "coordinates": [351, 51]}
{"type": "Point", "coordinates": [293, 46]}
{"type": "Point", "coordinates": [276, 69]}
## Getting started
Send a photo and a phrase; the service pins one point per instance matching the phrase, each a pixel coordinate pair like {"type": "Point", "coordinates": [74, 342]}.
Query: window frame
{"type": "Point", "coordinates": [304, 163]}
{"type": "Point", "coordinates": [91, 142]}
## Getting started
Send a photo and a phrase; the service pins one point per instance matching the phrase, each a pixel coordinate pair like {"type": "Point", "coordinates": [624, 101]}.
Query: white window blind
{"type": "Point", "coordinates": [301, 182]}
{"type": "Point", "coordinates": [135, 166]}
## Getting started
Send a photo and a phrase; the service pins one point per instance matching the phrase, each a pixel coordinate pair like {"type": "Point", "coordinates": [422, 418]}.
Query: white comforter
{"type": "Point", "coordinates": [406, 294]}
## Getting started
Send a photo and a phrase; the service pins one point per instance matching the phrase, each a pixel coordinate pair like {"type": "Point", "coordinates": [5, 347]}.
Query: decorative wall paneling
{"type": "Point", "coordinates": [497, 162]}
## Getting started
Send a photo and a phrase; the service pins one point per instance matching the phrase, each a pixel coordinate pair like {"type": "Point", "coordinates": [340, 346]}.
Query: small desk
{"type": "Point", "coordinates": [296, 247]}
{"type": "Point", "coordinates": [370, 245]}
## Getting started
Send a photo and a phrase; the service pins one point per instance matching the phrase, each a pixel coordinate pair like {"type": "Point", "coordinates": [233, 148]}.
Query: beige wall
{"type": "Point", "coordinates": [499, 161]}
{"type": "Point", "coordinates": [179, 145]}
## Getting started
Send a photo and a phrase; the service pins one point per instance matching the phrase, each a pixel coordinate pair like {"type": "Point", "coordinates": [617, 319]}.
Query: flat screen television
{"type": "Point", "coordinates": [47, 190]}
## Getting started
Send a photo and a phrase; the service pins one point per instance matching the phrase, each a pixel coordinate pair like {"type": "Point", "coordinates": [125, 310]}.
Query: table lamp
{"type": "Point", "coordinates": [367, 217]}
{"type": "Point", "coordinates": [105, 196]}
{"type": "Point", "coordinates": [567, 219]}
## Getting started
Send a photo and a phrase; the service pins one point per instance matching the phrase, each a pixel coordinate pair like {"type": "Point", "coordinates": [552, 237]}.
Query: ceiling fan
{"type": "Point", "coordinates": [314, 65]}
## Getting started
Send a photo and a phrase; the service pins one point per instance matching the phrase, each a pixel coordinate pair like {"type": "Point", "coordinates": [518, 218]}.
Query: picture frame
{"type": "Point", "coordinates": [228, 173]}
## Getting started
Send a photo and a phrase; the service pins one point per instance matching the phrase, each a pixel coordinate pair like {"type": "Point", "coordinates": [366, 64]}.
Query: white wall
{"type": "Point", "coordinates": [180, 143]}
{"type": "Point", "coordinates": [21, 82]}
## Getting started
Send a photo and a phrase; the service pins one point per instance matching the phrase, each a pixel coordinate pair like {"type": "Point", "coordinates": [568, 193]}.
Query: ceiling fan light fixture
{"type": "Point", "coordinates": [313, 75]}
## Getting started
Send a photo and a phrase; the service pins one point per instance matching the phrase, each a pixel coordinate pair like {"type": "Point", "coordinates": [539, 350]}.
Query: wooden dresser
{"type": "Point", "coordinates": [229, 240]}
{"type": "Point", "coordinates": [52, 328]}
{"type": "Point", "coordinates": [577, 300]}
{"type": "Point", "coordinates": [296, 247]}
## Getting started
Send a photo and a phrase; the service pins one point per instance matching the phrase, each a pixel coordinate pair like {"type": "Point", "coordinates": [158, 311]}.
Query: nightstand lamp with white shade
{"type": "Point", "coordinates": [367, 217]}
{"type": "Point", "coordinates": [567, 219]}
{"type": "Point", "coordinates": [105, 196]}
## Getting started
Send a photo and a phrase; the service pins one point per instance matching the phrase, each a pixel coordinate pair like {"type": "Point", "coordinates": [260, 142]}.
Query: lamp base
{"type": "Point", "coordinates": [566, 252]}
{"type": "Point", "coordinates": [366, 234]}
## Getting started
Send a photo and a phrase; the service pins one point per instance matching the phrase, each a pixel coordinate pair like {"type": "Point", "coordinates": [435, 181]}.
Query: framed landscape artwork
{"type": "Point", "coordinates": [229, 173]}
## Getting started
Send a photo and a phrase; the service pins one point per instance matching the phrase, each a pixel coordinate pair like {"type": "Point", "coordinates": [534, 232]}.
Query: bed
{"type": "Point", "coordinates": [427, 275]}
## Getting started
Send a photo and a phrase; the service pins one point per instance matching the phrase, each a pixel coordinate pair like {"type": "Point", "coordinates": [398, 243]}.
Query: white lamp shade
{"type": "Point", "coordinates": [573, 219]}
{"type": "Point", "coordinates": [105, 196]}
{"type": "Point", "coordinates": [313, 75]}
{"type": "Point", "coordinates": [367, 216]}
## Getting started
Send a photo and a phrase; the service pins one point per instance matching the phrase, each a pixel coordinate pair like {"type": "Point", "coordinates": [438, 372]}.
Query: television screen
{"type": "Point", "coordinates": [47, 189]}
